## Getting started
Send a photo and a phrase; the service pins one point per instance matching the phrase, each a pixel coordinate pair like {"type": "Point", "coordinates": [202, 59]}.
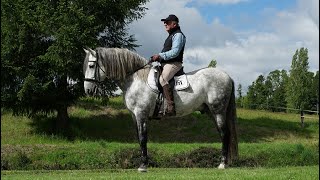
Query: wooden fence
{"type": "Point", "coordinates": [302, 112]}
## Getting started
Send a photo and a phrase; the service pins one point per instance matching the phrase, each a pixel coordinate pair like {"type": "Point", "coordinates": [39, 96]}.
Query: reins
{"type": "Point", "coordinates": [142, 67]}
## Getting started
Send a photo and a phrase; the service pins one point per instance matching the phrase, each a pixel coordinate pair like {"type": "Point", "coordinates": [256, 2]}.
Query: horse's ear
{"type": "Point", "coordinates": [85, 50]}
{"type": "Point", "coordinates": [94, 53]}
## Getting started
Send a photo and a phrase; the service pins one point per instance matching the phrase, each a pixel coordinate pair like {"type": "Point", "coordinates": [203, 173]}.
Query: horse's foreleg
{"type": "Point", "coordinates": [143, 138]}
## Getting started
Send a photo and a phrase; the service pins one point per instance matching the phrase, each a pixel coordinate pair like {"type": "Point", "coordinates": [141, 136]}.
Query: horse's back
{"type": "Point", "coordinates": [209, 76]}
{"type": "Point", "coordinates": [209, 86]}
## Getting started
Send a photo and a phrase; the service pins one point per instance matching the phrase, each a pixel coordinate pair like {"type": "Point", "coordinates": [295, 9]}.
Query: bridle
{"type": "Point", "coordinates": [96, 78]}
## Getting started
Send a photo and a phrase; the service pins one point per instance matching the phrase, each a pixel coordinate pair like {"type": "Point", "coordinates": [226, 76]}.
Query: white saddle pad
{"type": "Point", "coordinates": [181, 82]}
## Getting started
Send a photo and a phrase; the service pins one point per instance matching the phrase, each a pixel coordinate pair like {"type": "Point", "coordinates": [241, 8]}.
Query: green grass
{"type": "Point", "coordinates": [301, 172]}
{"type": "Point", "coordinates": [104, 136]}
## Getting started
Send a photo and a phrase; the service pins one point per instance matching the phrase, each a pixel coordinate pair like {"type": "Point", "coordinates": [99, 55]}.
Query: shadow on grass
{"type": "Point", "coordinates": [193, 128]}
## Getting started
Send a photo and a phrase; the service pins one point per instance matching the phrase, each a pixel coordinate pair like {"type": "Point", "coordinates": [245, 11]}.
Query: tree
{"type": "Point", "coordinates": [275, 86]}
{"type": "Point", "coordinates": [250, 99]}
{"type": "Point", "coordinates": [257, 94]}
{"type": "Point", "coordinates": [239, 99]}
{"type": "Point", "coordinates": [312, 93]}
{"type": "Point", "coordinates": [261, 92]}
{"type": "Point", "coordinates": [315, 92]}
{"type": "Point", "coordinates": [42, 45]}
{"type": "Point", "coordinates": [299, 81]}
{"type": "Point", "coordinates": [213, 63]}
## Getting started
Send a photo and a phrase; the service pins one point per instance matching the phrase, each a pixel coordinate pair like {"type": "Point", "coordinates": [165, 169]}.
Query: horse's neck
{"type": "Point", "coordinates": [125, 84]}
{"type": "Point", "coordinates": [141, 75]}
{"type": "Point", "coordinates": [122, 86]}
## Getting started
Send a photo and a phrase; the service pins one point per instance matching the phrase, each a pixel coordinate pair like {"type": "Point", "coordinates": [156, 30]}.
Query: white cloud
{"type": "Point", "coordinates": [310, 9]}
{"type": "Point", "coordinates": [242, 54]}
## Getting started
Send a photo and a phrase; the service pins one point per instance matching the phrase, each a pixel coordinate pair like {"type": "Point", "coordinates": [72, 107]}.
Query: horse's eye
{"type": "Point", "coordinates": [91, 66]}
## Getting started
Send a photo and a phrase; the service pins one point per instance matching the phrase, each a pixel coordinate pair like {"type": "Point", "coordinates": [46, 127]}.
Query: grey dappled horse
{"type": "Point", "coordinates": [210, 91]}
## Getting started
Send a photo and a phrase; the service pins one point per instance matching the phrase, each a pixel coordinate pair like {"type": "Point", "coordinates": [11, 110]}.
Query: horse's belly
{"type": "Point", "coordinates": [186, 103]}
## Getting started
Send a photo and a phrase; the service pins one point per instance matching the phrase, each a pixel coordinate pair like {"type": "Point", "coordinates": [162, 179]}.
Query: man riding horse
{"type": "Point", "coordinates": [171, 58]}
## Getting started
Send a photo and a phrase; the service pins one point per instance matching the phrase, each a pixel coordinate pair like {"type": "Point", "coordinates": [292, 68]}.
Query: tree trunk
{"type": "Point", "coordinates": [62, 122]}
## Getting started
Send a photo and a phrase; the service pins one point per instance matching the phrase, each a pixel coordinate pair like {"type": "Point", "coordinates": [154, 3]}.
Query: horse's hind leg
{"type": "Point", "coordinates": [220, 121]}
{"type": "Point", "coordinates": [224, 134]}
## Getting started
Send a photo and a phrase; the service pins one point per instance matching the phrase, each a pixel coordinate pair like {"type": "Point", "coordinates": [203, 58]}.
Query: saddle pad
{"type": "Point", "coordinates": [181, 82]}
{"type": "Point", "coordinates": [152, 79]}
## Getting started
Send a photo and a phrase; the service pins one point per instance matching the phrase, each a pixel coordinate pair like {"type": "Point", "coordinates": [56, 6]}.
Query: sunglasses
{"type": "Point", "coordinates": [167, 22]}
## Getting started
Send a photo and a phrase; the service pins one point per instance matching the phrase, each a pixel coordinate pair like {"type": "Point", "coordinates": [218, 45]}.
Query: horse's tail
{"type": "Point", "coordinates": [231, 123]}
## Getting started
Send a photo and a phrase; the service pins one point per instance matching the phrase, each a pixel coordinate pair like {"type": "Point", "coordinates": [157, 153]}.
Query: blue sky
{"type": "Point", "coordinates": [242, 15]}
{"type": "Point", "coordinates": [247, 38]}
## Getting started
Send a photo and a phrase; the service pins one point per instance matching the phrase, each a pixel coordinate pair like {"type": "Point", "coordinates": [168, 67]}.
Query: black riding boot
{"type": "Point", "coordinates": [168, 94]}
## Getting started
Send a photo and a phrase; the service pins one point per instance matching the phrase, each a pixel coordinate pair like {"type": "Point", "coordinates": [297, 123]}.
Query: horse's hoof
{"type": "Point", "coordinates": [142, 168]}
{"type": "Point", "coordinates": [222, 166]}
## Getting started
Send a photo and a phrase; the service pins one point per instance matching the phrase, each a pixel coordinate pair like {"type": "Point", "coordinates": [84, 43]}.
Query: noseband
{"type": "Point", "coordinates": [96, 78]}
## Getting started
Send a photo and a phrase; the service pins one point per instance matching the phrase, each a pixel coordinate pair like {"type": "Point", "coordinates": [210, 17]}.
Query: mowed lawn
{"type": "Point", "coordinates": [304, 172]}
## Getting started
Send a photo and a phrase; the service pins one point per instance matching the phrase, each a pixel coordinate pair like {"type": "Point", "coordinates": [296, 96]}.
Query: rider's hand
{"type": "Point", "coordinates": [156, 57]}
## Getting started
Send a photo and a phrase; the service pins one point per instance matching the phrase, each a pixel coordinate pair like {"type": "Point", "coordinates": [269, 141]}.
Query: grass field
{"type": "Point", "coordinates": [305, 173]}
{"type": "Point", "coordinates": [103, 137]}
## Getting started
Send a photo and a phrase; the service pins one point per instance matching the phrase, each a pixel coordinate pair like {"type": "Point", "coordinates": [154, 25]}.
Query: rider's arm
{"type": "Point", "coordinates": [178, 41]}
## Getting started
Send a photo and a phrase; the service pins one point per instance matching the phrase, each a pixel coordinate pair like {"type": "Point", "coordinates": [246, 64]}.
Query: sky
{"type": "Point", "coordinates": [247, 38]}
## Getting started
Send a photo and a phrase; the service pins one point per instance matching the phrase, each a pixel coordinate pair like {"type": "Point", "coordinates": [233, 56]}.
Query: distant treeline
{"type": "Point", "coordinates": [282, 90]}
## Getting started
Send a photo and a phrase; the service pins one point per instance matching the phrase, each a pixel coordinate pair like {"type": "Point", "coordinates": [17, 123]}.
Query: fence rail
{"type": "Point", "coordinates": [302, 112]}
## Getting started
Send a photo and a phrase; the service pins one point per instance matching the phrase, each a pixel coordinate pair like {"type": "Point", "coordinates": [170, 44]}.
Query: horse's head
{"type": "Point", "coordinates": [93, 71]}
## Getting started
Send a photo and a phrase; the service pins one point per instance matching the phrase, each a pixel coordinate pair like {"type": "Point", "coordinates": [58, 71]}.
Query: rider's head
{"type": "Point", "coordinates": [171, 22]}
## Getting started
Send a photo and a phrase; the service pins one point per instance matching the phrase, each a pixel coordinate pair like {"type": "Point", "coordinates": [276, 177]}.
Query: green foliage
{"type": "Point", "coordinates": [314, 99]}
{"type": "Point", "coordinates": [41, 48]}
{"type": "Point", "coordinates": [299, 81]}
{"type": "Point", "coordinates": [213, 63]}
{"type": "Point", "coordinates": [261, 92]}
{"type": "Point", "coordinates": [257, 94]}
{"type": "Point", "coordinates": [275, 83]}
{"type": "Point", "coordinates": [279, 90]}
{"type": "Point", "coordinates": [249, 101]}
{"type": "Point", "coordinates": [239, 100]}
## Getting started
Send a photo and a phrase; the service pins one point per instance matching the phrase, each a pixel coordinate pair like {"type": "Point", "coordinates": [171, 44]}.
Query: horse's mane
{"type": "Point", "coordinates": [119, 63]}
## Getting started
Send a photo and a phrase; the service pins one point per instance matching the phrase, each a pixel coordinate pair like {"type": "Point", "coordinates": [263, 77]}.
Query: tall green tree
{"type": "Point", "coordinates": [239, 99]}
{"type": "Point", "coordinates": [257, 94]}
{"type": "Point", "coordinates": [213, 63]}
{"type": "Point", "coordinates": [275, 85]}
{"type": "Point", "coordinates": [299, 81]}
{"type": "Point", "coordinates": [312, 93]}
{"type": "Point", "coordinates": [261, 92]}
{"type": "Point", "coordinates": [315, 92]}
{"type": "Point", "coordinates": [251, 97]}
{"type": "Point", "coordinates": [41, 46]}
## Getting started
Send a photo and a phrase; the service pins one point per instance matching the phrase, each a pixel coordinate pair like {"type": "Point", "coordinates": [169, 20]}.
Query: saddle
{"type": "Point", "coordinates": [178, 82]}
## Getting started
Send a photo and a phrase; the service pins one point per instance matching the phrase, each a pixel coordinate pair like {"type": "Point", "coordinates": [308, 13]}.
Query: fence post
{"type": "Point", "coordinates": [302, 118]}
